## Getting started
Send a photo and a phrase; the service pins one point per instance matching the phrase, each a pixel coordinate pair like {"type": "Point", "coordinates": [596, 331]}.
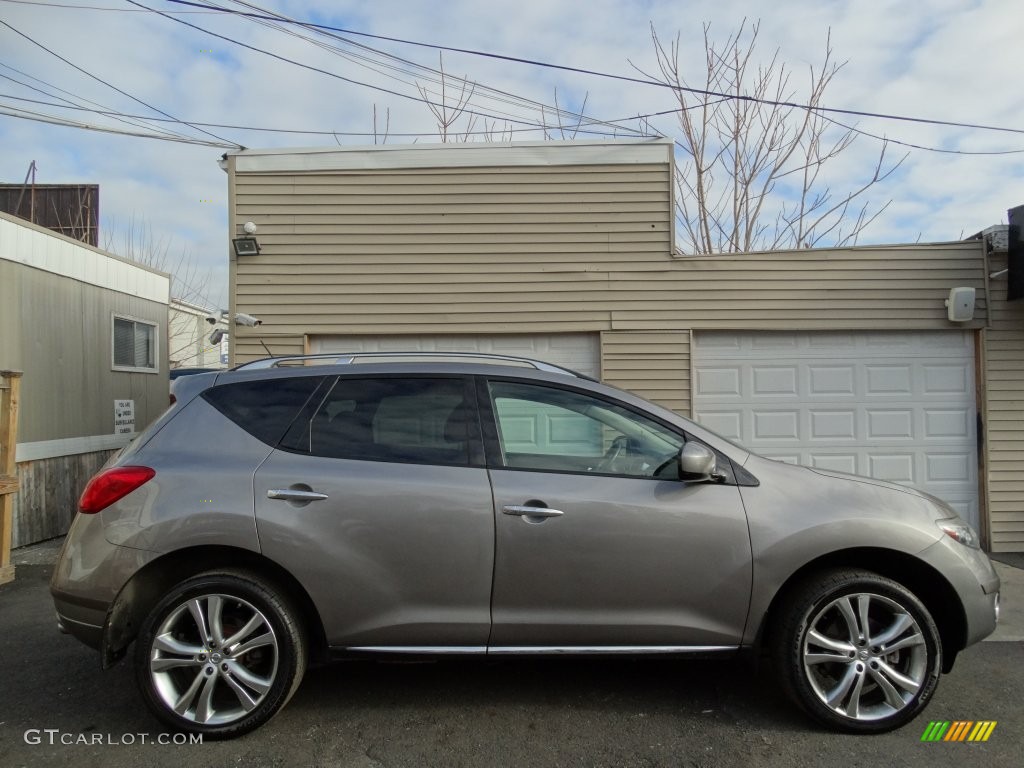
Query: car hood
{"type": "Point", "coordinates": [942, 509]}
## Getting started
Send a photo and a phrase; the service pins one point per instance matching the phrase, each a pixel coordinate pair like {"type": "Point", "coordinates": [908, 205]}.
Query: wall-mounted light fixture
{"type": "Point", "coordinates": [245, 246]}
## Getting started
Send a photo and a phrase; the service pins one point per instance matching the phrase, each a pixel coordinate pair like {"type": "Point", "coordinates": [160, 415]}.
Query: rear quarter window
{"type": "Point", "coordinates": [264, 408]}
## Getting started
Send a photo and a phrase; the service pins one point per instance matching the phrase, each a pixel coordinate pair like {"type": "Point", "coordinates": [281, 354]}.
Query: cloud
{"type": "Point", "coordinates": [946, 59]}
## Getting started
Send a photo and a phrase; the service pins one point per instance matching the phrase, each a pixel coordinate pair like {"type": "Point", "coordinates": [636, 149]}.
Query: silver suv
{"type": "Point", "coordinates": [286, 512]}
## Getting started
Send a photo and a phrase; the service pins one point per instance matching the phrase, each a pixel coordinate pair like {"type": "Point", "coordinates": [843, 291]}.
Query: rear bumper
{"type": "Point", "coordinates": [86, 626]}
{"type": "Point", "coordinates": [88, 575]}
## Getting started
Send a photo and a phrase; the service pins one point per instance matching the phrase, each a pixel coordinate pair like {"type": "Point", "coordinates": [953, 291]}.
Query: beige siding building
{"type": "Point", "coordinates": [188, 337]}
{"type": "Point", "coordinates": [89, 331]}
{"type": "Point", "coordinates": [842, 358]}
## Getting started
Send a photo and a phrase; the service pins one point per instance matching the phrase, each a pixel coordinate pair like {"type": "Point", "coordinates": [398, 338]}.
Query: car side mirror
{"type": "Point", "coordinates": [697, 463]}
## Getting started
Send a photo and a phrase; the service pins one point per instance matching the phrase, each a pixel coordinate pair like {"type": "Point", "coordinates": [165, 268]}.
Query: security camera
{"type": "Point", "coordinates": [248, 320]}
{"type": "Point", "coordinates": [217, 335]}
{"type": "Point", "coordinates": [213, 319]}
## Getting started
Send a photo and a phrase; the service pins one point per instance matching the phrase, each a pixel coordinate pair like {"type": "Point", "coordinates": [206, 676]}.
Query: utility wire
{"type": "Point", "coordinates": [612, 76]}
{"type": "Point", "coordinates": [95, 7]}
{"type": "Point", "coordinates": [940, 150]}
{"type": "Point", "coordinates": [203, 8]}
{"type": "Point", "coordinates": [512, 98]}
{"type": "Point", "coordinates": [76, 101]}
{"type": "Point", "coordinates": [326, 72]}
{"type": "Point", "coordinates": [312, 132]}
{"type": "Point", "coordinates": [429, 73]}
{"type": "Point", "coordinates": [104, 82]}
{"type": "Point", "coordinates": [315, 132]}
{"type": "Point", "coordinates": [42, 118]}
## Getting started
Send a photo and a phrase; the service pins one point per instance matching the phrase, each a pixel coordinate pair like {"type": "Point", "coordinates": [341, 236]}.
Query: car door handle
{"type": "Point", "coordinates": [523, 511]}
{"type": "Point", "coordinates": [294, 494]}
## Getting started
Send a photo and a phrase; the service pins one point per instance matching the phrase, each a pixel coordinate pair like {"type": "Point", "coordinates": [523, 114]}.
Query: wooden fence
{"type": "Point", "coordinates": [9, 384]}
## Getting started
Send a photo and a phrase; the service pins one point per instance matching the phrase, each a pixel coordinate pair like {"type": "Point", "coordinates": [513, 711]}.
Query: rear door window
{"type": "Point", "coordinates": [412, 420]}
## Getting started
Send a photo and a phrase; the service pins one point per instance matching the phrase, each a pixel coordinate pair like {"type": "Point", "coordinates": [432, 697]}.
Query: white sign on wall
{"type": "Point", "coordinates": [124, 417]}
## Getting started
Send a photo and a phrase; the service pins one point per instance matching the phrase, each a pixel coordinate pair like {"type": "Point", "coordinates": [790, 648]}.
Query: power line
{"type": "Point", "coordinates": [919, 146]}
{"type": "Point", "coordinates": [280, 17]}
{"type": "Point", "coordinates": [429, 73]}
{"type": "Point", "coordinates": [95, 7]}
{"type": "Point", "coordinates": [104, 82]}
{"type": "Point", "coordinates": [49, 119]}
{"type": "Point", "coordinates": [329, 73]}
{"type": "Point", "coordinates": [411, 134]}
{"type": "Point", "coordinates": [612, 76]}
{"type": "Point", "coordinates": [76, 103]}
{"type": "Point", "coordinates": [311, 132]}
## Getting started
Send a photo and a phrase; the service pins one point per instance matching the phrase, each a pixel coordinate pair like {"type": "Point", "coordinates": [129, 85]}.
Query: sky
{"type": "Point", "coordinates": [948, 60]}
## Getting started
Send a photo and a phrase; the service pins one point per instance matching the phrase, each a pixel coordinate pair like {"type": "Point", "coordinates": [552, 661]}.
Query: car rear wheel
{"type": "Point", "coordinates": [220, 654]}
{"type": "Point", "coordinates": [857, 651]}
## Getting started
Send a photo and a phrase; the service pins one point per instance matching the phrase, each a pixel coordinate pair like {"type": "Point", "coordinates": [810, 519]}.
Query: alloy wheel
{"type": "Point", "coordinates": [214, 659]}
{"type": "Point", "coordinates": [865, 656]}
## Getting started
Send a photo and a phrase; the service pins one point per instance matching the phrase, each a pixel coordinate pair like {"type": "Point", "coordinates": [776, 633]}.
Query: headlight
{"type": "Point", "coordinates": [960, 531]}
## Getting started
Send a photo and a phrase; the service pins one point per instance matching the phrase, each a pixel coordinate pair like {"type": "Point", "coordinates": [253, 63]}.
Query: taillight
{"type": "Point", "coordinates": [110, 485]}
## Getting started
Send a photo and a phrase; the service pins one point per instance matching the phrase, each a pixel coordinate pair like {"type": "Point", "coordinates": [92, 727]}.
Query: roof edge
{"type": "Point", "coordinates": [60, 236]}
{"type": "Point", "coordinates": [464, 155]}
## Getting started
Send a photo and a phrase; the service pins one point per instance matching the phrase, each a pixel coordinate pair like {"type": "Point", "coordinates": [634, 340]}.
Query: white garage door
{"type": "Point", "coordinates": [577, 351]}
{"type": "Point", "coordinates": [896, 406]}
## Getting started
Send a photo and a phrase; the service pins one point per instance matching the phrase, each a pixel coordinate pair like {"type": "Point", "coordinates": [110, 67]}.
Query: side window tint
{"type": "Point", "coordinates": [422, 421]}
{"type": "Point", "coordinates": [263, 408]}
{"type": "Point", "coordinates": [556, 430]}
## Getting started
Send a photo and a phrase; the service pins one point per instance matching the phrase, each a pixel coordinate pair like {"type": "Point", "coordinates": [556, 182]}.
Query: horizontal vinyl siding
{"type": "Point", "coordinates": [447, 250]}
{"type": "Point", "coordinates": [547, 249]}
{"type": "Point", "coordinates": [653, 365]}
{"type": "Point", "coordinates": [249, 347]}
{"type": "Point", "coordinates": [1004, 415]}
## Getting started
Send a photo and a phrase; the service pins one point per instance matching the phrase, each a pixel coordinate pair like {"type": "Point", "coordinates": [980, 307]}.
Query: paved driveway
{"type": "Point", "coordinates": [478, 712]}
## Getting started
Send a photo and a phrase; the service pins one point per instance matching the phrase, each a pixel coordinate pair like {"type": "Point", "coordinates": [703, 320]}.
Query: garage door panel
{"type": "Point", "coordinates": [895, 406]}
{"type": "Point", "coordinates": [945, 423]}
{"type": "Point", "coordinates": [774, 381]}
{"type": "Point", "coordinates": [828, 425]}
{"type": "Point", "coordinates": [831, 380]}
{"type": "Point", "coordinates": [719, 382]}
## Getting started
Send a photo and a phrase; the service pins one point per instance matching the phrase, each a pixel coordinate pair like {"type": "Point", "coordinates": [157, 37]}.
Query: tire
{"type": "Point", "coordinates": [843, 679]}
{"type": "Point", "coordinates": [233, 674]}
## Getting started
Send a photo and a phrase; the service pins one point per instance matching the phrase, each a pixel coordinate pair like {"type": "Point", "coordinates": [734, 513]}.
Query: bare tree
{"type": "Point", "coordinates": [137, 242]}
{"type": "Point", "coordinates": [750, 171]}
{"type": "Point", "coordinates": [450, 108]}
{"type": "Point", "coordinates": [564, 131]}
{"type": "Point", "coordinates": [378, 136]}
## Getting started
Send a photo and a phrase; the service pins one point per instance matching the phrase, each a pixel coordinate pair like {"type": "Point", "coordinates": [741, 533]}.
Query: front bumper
{"type": "Point", "coordinates": [976, 582]}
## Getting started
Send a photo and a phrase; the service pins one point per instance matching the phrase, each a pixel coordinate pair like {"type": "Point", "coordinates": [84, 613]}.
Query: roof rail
{"type": "Point", "coordinates": [348, 358]}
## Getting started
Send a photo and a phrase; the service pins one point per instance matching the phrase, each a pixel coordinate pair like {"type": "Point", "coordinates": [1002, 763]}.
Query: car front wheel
{"type": "Point", "coordinates": [857, 651]}
{"type": "Point", "coordinates": [220, 654]}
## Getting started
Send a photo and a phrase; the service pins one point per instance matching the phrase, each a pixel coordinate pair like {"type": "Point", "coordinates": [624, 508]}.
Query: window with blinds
{"type": "Point", "coordinates": [134, 344]}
